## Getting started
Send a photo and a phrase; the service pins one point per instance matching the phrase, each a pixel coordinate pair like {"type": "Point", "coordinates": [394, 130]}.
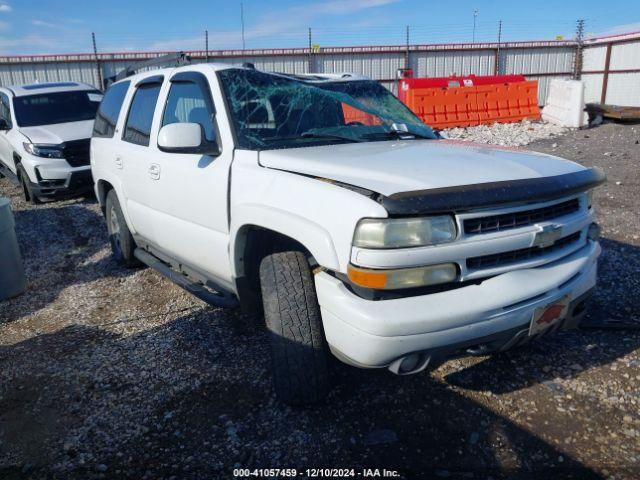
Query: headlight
{"type": "Point", "coordinates": [42, 150]}
{"type": "Point", "coordinates": [403, 277]}
{"type": "Point", "coordinates": [404, 232]}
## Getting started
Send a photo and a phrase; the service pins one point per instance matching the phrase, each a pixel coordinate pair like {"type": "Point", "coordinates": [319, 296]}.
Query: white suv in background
{"type": "Point", "coordinates": [45, 131]}
{"type": "Point", "coordinates": [324, 203]}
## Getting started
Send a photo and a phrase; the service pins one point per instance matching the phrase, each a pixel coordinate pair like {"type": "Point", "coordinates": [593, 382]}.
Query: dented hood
{"type": "Point", "coordinates": [391, 167]}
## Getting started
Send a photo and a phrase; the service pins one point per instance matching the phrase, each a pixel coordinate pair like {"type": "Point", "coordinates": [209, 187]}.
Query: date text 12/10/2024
{"type": "Point", "coordinates": [315, 473]}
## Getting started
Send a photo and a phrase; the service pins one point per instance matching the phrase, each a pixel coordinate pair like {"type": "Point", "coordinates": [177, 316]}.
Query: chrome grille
{"type": "Point", "coordinates": [506, 258]}
{"type": "Point", "coordinates": [506, 221]}
{"type": "Point", "coordinates": [76, 152]}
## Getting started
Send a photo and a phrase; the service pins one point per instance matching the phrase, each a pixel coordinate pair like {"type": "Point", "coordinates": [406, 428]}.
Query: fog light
{"type": "Point", "coordinates": [593, 233]}
{"type": "Point", "coordinates": [404, 277]}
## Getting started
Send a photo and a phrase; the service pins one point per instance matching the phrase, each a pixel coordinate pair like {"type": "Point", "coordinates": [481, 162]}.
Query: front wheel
{"type": "Point", "coordinates": [27, 192]}
{"type": "Point", "coordinates": [122, 243]}
{"type": "Point", "coordinates": [292, 315]}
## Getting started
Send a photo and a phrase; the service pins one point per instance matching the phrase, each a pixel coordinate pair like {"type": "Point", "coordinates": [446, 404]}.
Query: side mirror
{"type": "Point", "coordinates": [186, 138]}
{"type": "Point", "coordinates": [3, 124]}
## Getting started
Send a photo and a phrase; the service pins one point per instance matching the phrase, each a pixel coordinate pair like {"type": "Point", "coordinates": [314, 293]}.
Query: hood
{"type": "Point", "coordinates": [392, 167]}
{"type": "Point", "coordinates": [59, 132]}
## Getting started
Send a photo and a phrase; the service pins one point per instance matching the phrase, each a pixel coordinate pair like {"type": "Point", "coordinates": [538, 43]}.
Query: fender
{"type": "Point", "coordinates": [314, 237]}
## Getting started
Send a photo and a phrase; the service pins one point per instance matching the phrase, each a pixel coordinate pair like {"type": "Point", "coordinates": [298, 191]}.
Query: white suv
{"type": "Point", "coordinates": [45, 132]}
{"type": "Point", "coordinates": [325, 203]}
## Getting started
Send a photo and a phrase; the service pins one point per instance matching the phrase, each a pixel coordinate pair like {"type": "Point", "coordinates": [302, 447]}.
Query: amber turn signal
{"type": "Point", "coordinates": [402, 278]}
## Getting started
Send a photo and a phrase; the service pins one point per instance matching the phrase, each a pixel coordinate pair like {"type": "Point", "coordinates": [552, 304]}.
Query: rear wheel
{"type": "Point", "coordinates": [25, 183]}
{"type": "Point", "coordinates": [298, 347]}
{"type": "Point", "coordinates": [122, 242]}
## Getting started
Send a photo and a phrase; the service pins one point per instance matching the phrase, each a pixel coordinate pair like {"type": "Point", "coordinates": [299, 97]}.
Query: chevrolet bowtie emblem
{"type": "Point", "coordinates": [547, 236]}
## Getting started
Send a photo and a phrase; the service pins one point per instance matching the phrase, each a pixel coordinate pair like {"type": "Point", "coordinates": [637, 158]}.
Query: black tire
{"type": "Point", "coordinates": [25, 183]}
{"type": "Point", "coordinates": [291, 311]}
{"type": "Point", "coordinates": [122, 243]}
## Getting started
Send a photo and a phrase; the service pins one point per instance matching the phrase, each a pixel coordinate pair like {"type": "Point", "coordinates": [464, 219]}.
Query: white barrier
{"type": "Point", "coordinates": [565, 104]}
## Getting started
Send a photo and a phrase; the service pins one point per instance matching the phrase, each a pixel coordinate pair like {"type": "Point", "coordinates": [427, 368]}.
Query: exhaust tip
{"type": "Point", "coordinates": [410, 364]}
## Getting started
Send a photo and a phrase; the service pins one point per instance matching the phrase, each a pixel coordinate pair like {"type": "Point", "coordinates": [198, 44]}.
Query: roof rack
{"type": "Point", "coordinates": [170, 60]}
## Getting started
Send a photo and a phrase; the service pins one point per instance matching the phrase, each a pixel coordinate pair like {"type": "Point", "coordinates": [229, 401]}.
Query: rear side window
{"type": "Point", "coordinates": [107, 117]}
{"type": "Point", "coordinates": [138, 127]}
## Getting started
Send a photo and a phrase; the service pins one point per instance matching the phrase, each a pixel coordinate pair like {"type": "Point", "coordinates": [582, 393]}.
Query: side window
{"type": "Point", "coordinates": [138, 127]}
{"type": "Point", "coordinates": [107, 116]}
{"type": "Point", "coordinates": [5, 109]}
{"type": "Point", "coordinates": [187, 103]}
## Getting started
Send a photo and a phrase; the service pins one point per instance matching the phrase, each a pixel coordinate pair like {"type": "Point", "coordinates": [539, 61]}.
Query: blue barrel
{"type": "Point", "coordinates": [12, 278]}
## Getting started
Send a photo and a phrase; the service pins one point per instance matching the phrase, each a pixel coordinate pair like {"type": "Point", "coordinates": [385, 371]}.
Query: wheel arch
{"type": "Point", "coordinates": [102, 190]}
{"type": "Point", "coordinates": [266, 231]}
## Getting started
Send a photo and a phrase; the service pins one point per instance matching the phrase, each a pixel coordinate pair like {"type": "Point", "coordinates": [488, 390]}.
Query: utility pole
{"type": "Point", "coordinates": [497, 67]}
{"type": "Point", "coordinates": [242, 23]}
{"type": "Point", "coordinates": [577, 70]}
{"type": "Point", "coordinates": [475, 15]}
{"type": "Point", "coordinates": [406, 52]}
{"type": "Point", "coordinates": [310, 53]}
{"type": "Point", "coordinates": [95, 53]}
{"type": "Point", "coordinates": [206, 46]}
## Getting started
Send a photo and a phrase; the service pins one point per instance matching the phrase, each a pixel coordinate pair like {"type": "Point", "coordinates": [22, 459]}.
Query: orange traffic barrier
{"type": "Point", "coordinates": [467, 101]}
{"type": "Point", "coordinates": [354, 115]}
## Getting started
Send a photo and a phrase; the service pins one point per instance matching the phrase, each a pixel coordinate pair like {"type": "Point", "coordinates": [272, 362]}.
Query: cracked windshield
{"type": "Point", "coordinates": [272, 111]}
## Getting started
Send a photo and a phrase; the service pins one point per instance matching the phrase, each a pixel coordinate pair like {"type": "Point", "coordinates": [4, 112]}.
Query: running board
{"type": "Point", "coordinates": [224, 299]}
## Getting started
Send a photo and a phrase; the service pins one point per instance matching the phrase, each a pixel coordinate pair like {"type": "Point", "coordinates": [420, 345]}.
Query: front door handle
{"type": "Point", "coordinates": [118, 162]}
{"type": "Point", "coordinates": [154, 171]}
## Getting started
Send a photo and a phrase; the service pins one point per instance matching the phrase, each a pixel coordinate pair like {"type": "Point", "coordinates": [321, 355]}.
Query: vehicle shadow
{"type": "Point", "coordinates": [192, 398]}
{"type": "Point", "coordinates": [61, 245]}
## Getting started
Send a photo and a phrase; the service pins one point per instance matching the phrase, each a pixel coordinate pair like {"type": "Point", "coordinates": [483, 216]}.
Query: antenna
{"type": "Point", "coordinates": [242, 23]}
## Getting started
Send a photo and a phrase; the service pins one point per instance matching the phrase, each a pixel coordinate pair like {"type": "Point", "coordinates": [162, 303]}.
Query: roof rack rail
{"type": "Point", "coordinates": [170, 60]}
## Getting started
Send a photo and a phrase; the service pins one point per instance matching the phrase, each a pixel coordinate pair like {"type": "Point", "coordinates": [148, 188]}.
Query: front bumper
{"type": "Point", "coordinates": [376, 334]}
{"type": "Point", "coordinates": [76, 182]}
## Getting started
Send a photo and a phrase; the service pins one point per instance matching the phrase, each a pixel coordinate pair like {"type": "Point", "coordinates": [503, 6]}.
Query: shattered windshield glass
{"type": "Point", "coordinates": [272, 111]}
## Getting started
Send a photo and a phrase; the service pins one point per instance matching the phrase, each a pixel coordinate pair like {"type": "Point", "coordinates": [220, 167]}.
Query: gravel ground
{"type": "Point", "coordinates": [511, 134]}
{"type": "Point", "coordinates": [114, 373]}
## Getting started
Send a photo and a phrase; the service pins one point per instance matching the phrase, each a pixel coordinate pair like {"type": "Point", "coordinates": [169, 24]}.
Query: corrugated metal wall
{"type": "Point", "coordinates": [541, 61]}
{"type": "Point", "coordinates": [611, 71]}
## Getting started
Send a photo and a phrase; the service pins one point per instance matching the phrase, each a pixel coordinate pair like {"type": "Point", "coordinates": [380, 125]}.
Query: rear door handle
{"type": "Point", "coordinates": [154, 171]}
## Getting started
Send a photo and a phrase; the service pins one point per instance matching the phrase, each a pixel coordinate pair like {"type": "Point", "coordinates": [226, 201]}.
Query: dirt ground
{"type": "Point", "coordinates": [114, 373]}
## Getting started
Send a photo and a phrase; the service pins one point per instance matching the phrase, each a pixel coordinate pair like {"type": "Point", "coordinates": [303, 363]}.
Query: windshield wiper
{"type": "Point", "coordinates": [330, 136]}
{"type": "Point", "coordinates": [397, 134]}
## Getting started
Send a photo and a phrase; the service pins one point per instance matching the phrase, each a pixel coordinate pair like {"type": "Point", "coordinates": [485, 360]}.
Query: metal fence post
{"type": "Point", "coordinates": [206, 46]}
{"type": "Point", "coordinates": [406, 52]}
{"type": "Point", "coordinates": [605, 75]}
{"type": "Point", "coordinates": [496, 66]}
{"type": "Point", "coordinates": [310, 67]}
{"type": "Point", "coordinates": [577, 64]}
{"type": "Point", "coordinates": [98, 67]}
